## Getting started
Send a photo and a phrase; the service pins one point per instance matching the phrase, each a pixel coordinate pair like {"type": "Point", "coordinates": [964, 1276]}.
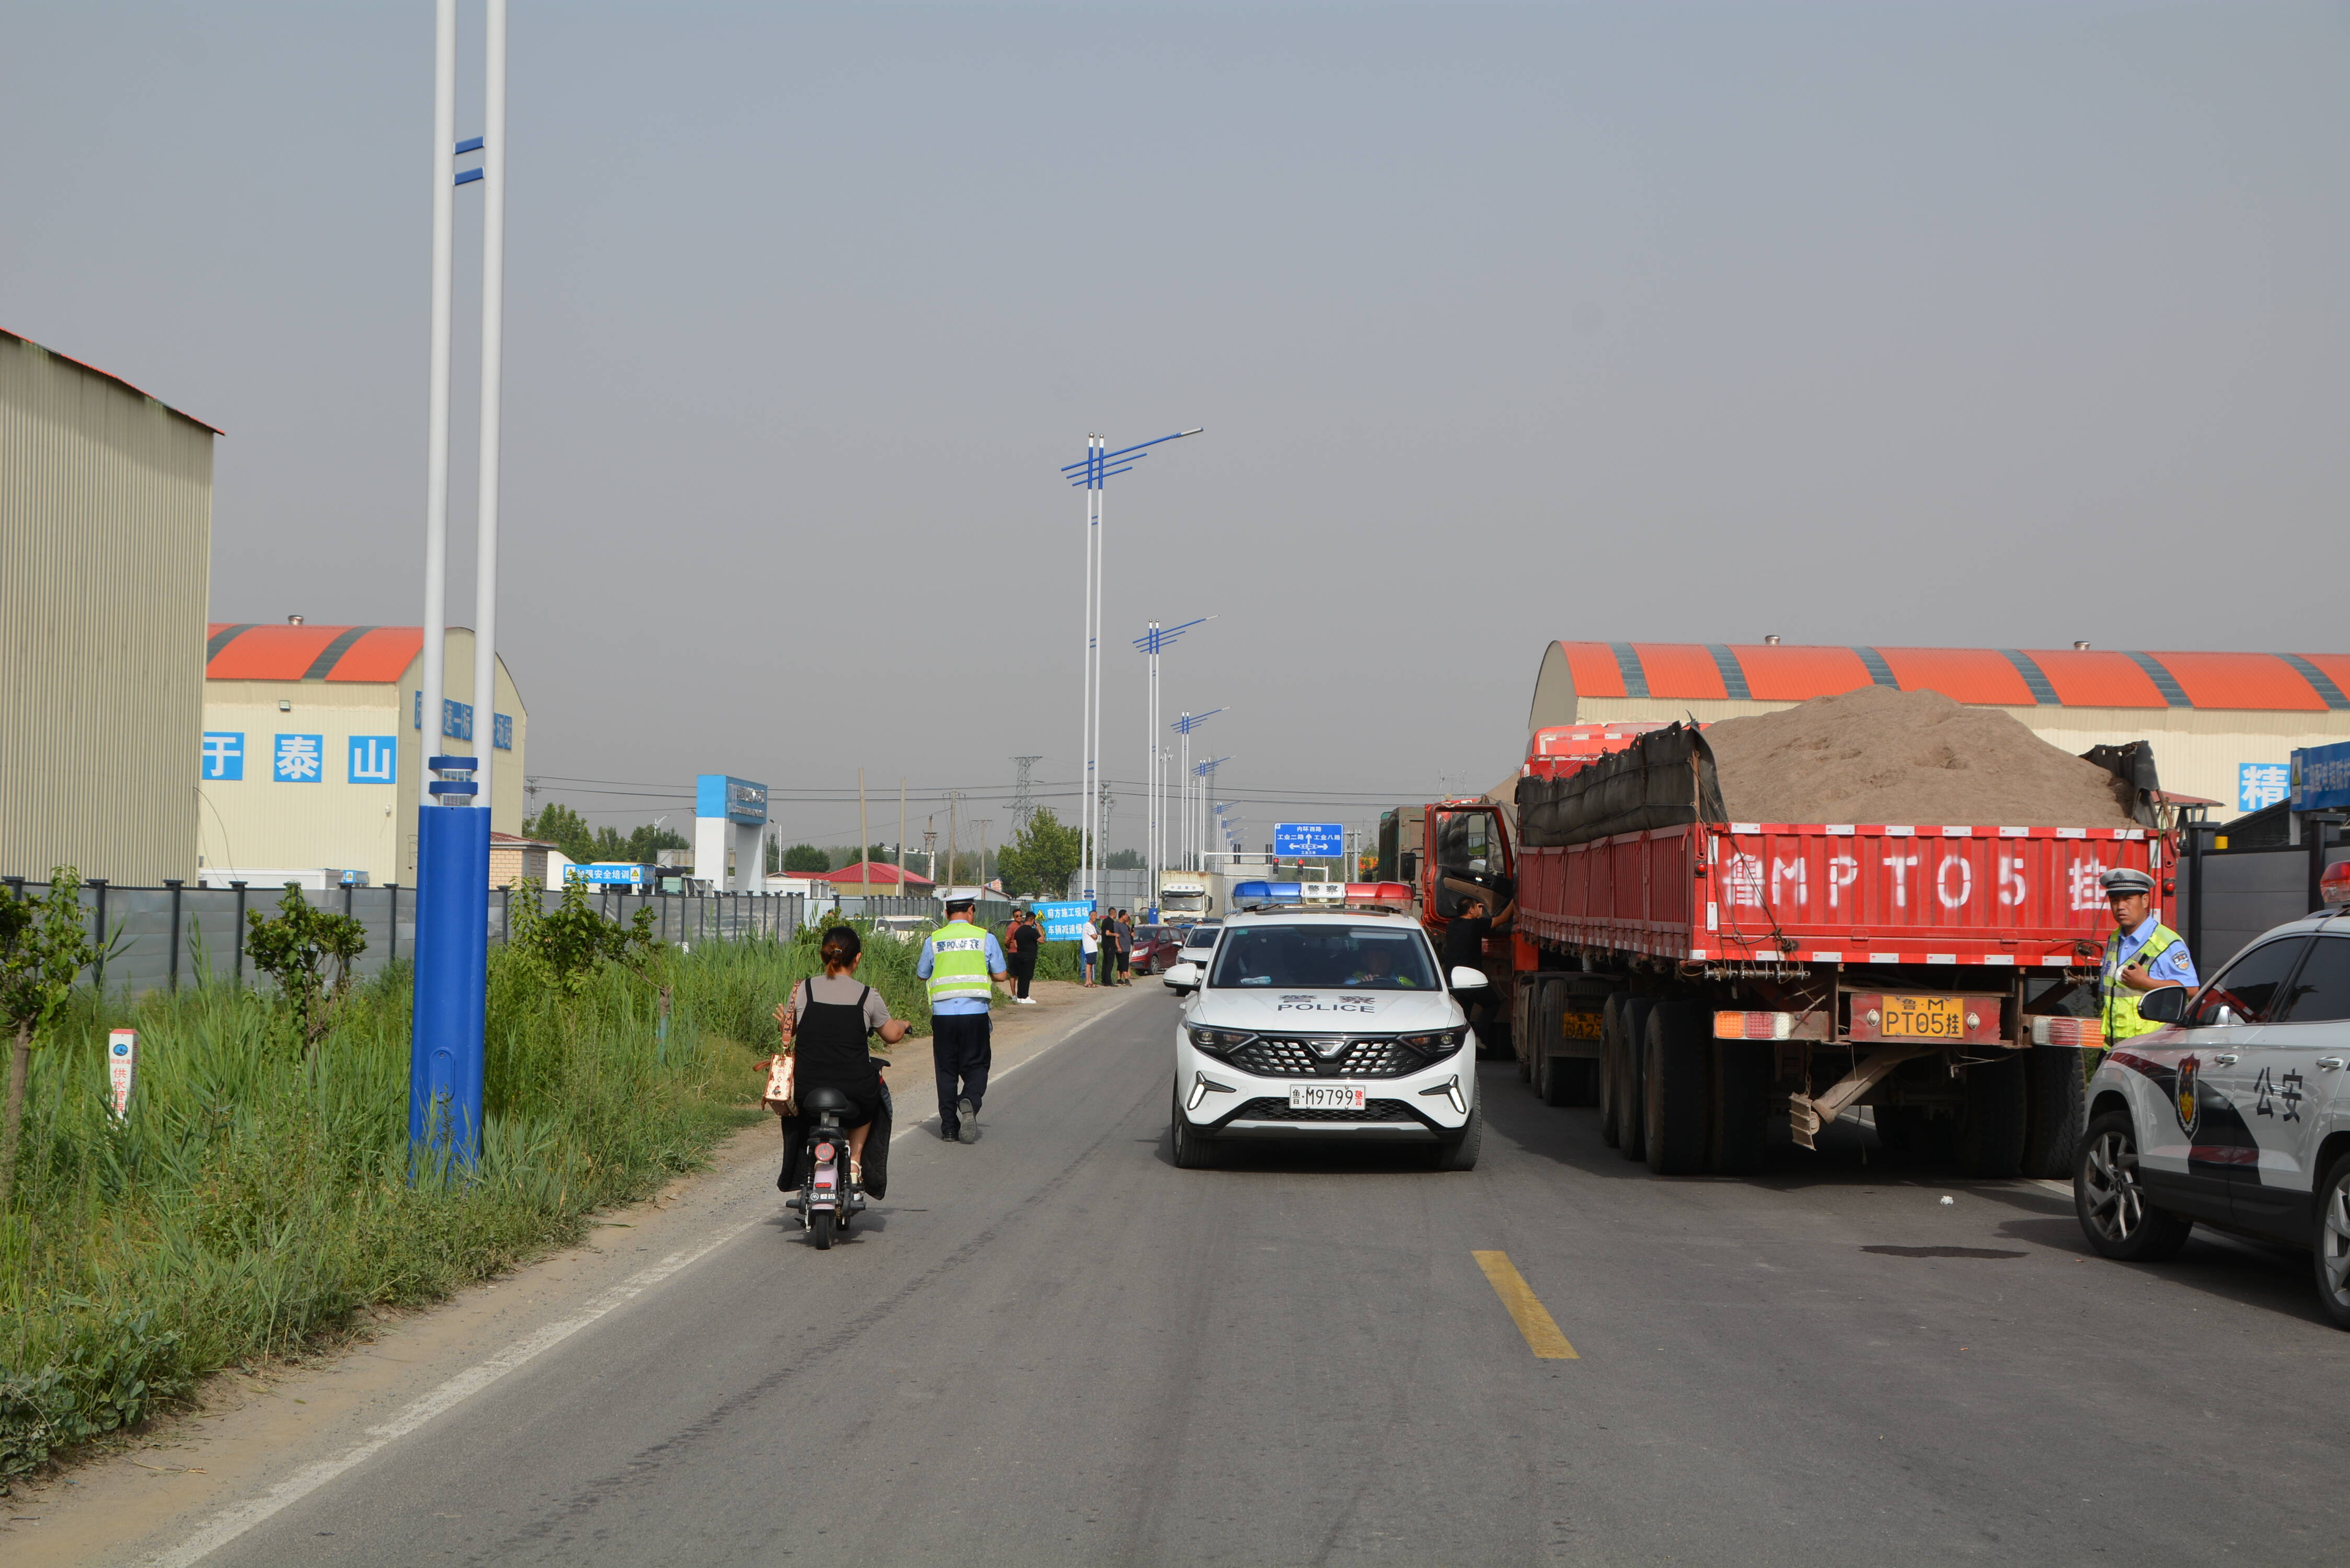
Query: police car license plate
{"type": "Point", "coordinates": [1925, 1018]}
{"type": "Point", "coordinates": [1326, 1097]}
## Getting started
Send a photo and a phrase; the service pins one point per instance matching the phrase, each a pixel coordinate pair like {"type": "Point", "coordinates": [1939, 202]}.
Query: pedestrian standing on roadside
{"type": "Point", "coordinates": [961, 963]}
{"type": "Point", "coordinates": [1123, 923]}
{"type": "Point", "coordinates": [1088, 948]}
{"type": "Point", "coordinates": [1027, 936]}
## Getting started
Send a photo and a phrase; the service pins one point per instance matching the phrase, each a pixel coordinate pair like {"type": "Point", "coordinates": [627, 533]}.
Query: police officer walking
{"type": "Point", "coordinates": [2142, 955]}
{"type": "Point", "coordinates": [961, 962]}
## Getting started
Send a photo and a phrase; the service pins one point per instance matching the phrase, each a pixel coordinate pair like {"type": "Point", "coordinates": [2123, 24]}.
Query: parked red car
{"type": "Point", "coordinates": [1155, 947]}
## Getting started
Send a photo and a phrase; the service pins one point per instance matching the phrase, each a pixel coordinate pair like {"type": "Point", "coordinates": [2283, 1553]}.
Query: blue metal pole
{"type": "Point", "coordinates": [452, 921]}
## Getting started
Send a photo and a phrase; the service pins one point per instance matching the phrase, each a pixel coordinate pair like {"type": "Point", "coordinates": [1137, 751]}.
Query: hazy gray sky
{"type": "Point", "coordinates": [1969, 324]}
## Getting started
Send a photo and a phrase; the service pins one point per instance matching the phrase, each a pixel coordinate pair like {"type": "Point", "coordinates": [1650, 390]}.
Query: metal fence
{"type": "Point", "coordinates": [156, 938]}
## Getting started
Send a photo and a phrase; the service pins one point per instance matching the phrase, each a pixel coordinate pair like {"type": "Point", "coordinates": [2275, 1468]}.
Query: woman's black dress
{"type": "Point", "coordinates": [830, 1041]}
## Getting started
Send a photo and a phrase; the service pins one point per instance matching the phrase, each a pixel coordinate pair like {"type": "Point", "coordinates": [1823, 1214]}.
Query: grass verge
{"type": "Point", "coordinates": [255, 1198]}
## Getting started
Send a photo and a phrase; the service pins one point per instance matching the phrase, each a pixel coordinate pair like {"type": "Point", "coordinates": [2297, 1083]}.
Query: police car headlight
{"type": "Point", "coordinates": [1217, 1041]}
{"type": "Point", "coordinates": [1438, 1046]}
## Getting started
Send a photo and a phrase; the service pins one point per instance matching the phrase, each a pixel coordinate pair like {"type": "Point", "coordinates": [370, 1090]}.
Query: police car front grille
{"type": "Point", "coordinates": [1273, 1056]}
{"type": "Point", "coordinates": [1272, 1110]}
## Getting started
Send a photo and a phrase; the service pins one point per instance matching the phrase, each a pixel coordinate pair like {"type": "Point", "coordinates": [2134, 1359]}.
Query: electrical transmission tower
{"type": "Point", "coordinates": [1022, 807]}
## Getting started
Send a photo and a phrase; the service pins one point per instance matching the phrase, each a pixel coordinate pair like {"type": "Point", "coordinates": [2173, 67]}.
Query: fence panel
{"type": "Point", "coordinates": [210, 939]}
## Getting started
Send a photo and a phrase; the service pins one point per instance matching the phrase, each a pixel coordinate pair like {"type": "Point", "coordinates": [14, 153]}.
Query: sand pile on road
{"type": "Point", "coordinates": [1877, 754]}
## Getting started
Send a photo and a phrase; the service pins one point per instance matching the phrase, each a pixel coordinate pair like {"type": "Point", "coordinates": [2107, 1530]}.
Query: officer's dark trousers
{"type": "Point", "coordinates": [959, 1051]}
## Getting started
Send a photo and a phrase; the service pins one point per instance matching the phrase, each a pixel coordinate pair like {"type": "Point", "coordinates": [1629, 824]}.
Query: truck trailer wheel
{"type": "Point", "coordinates": [1741, 1082]}
{"type": "Point", "coordinates": [1631, 1116]}
{"type": "Point", "coordinates": [1611, 1067]}
{"type": "Point", "coordinates": [1673, 1089]}
{"type": "Point", "coordinates": [1991, 1133]}
{"type": "Point", "coordinates": [1522, 1001]}
{"type": "Point", "coordinates": [2053, 1087]}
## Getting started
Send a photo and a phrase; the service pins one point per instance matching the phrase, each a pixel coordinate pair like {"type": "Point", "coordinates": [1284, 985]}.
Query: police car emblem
{"type": "Point", "coordinates": [1358, 1001]}
{"type": "Point", "coordinates": [1308, 998]}
{"type": "Point", "coordinates": [2183, 1098]}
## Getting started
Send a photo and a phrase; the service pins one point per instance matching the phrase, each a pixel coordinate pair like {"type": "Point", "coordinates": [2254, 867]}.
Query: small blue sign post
{"type": "Point", "coordinates": [1309, 840]}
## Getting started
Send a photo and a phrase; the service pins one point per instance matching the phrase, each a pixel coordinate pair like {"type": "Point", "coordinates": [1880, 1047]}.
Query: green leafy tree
{"type": "Point", "coordinates": [1124, 860]}
{"type": "Point", "coordinates": [293, 947]}
{"type": "Point", "coordinates": [564, 828]}
{"type": "Point", "coordinates": [802, 858]}
{"type": "Point", "coordinates": [567, 948]}
{"type": "Point", "coordinates": [44, 944]}
{"type": "Point", "coordinates": [646, 842]}
{"type": "Point", "coordinates": [1040, 858]}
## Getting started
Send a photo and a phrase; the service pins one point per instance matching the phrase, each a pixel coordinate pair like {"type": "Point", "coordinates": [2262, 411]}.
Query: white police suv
{"type": "Point", "coordinates": [2236, 1114]}
{"type": "Point", "coordinates": [1322, 1023]}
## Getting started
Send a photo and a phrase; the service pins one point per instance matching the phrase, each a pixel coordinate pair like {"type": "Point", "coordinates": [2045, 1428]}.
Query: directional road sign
{"type": "Point", "coordinates": [1309, 840]}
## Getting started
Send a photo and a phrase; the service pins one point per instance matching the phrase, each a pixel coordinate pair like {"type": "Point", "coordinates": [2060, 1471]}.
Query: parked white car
{"type": "Point", "coordinates": [1322, 1025]}
{"type": "Point", "coordinates": [2235, 1115]}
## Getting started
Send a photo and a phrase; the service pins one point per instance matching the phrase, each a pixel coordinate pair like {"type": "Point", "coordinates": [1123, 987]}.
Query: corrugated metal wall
{"type": "Point", "coordinates": [105, 569]}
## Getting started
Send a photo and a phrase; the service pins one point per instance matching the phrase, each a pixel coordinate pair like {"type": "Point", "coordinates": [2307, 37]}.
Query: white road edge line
{"type": "Point", "coordinates": [231, 1523]}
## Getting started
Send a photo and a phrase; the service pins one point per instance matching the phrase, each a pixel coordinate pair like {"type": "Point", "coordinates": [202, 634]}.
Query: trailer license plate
{"type": "Point", "coordinates": [1326, 1097]}
{"type": "Point", "coordinates": [1924, 1018]}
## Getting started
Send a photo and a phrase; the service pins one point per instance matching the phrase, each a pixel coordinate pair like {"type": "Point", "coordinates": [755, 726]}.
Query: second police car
{"type": "Point", "coordinates": [1323, 1020]}
{"type": "Point", "coordinates": [2235, 1114]}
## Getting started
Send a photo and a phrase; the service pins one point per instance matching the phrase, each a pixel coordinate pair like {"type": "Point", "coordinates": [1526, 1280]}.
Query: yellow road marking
{"type": "Point", "coordinates": [1526, 1309]}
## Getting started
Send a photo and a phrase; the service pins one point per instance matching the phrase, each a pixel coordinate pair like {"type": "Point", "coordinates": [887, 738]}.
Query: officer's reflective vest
{"type": "Point", "coordinates": [958, 963]}
{"type": "Point", "coordinates": [2120, 1002]}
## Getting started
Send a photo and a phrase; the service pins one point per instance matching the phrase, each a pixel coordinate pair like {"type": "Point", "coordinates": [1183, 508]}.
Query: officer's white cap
{"type": "Point", "coordinates": [2125, 879]}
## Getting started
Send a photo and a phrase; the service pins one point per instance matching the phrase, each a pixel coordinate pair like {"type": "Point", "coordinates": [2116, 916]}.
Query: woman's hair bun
{"type": "Point", "coordinates": [841, 945]}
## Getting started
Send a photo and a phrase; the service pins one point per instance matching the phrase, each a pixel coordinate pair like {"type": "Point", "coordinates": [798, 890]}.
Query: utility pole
{"type": "Point", "coordinates": [981, 823]}
{"type": "Point", "coordinates": [954, 798]}
{"type": "Point", "coordinates": [864, 843]}
{"type": "Point", "coordinates": [930, 847]}
{"type": "Point", "coordinates": [901, 835]}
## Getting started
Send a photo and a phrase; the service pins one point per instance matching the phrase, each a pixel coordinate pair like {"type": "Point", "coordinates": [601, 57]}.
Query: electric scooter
{"type": "Point", "coordinates": [825, 1201]}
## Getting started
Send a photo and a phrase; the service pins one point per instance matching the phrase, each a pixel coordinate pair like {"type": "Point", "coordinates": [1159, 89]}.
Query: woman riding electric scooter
{"type": "Point", "coordinates": [828, 1021]}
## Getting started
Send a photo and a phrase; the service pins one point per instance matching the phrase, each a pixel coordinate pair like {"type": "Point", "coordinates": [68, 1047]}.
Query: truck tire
{"type": "Point", "coordinates": [1522, 999]}
{"type": "Point", "coordinates": [1673, 1087]}
{"type": "Point", "coordinates": [1990, 1132]}
{"type": "Point", "coordinates": [2054, 1083]}
{"type": "Point", "coordinates": [1740, 1120]}
{"type": "Point", "coordinates": [1631, 1115]}
{"type": "Point", "coordinates": [1611, 1067]}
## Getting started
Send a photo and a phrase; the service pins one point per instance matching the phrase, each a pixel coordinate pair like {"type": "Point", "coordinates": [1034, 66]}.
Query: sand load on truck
{"type": "Point", "coordinates": [1870, 755]}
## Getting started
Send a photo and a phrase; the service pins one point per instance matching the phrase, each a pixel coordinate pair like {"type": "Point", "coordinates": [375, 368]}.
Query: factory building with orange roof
{"type": "Point", "coordinates": [2223, 725]}
{"type": "Point", "coordinates": [313, 747]}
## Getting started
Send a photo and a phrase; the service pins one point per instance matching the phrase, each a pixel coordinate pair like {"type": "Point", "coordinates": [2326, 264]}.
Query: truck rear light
{"type": "Point", "coordinates": [2333, 887]}
{"type": "Point", "coordinates": [1758, 1026]}
{"type": "Point", "coordinates": [2086, 1033]}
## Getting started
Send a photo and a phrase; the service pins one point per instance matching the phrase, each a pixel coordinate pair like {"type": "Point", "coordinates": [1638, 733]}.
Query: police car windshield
{"type": "Point", "coordinates": [1323, 957]}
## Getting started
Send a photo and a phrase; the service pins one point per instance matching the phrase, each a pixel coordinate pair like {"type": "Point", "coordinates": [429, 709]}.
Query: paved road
{"type": "Point", "coordinates": [1056, 1347]}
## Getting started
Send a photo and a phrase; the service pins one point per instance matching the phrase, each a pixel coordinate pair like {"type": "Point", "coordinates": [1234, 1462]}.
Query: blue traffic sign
{"type": "Point", "coordinates": [1064, 920]}
{"type": "Point", "coordinates": [1309, 840]}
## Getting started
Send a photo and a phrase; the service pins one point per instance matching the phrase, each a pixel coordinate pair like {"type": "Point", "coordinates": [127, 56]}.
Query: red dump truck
{"type": "Point", "coordinates": [1697, 978]}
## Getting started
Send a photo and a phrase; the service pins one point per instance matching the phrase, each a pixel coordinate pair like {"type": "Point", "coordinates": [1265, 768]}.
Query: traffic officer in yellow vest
{"type": "Point", "coordinates": [962, 962]}
{"type": "Point", "coordinates": [2142, 955]}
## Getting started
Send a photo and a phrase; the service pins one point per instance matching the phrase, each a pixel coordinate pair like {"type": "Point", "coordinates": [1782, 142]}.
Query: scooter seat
{"type": "Point", "coordinates": [817, 1101]}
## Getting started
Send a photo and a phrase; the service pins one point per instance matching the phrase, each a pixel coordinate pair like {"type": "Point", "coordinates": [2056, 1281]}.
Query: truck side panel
{"type": "Point", "coordinates": [1820, 894]}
